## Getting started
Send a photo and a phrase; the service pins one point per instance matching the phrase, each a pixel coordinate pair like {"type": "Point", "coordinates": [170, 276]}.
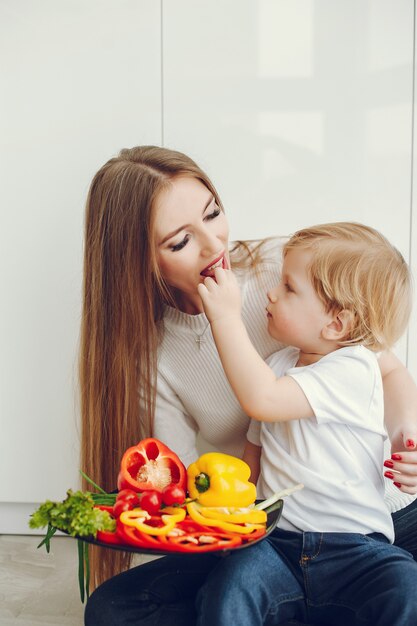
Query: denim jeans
{"type": "Point", "coordinates": [320, 578]}
{"type": "Point", "coordinates": [164, 591]}
{"type": "Point", "coordinates": [405, 525]}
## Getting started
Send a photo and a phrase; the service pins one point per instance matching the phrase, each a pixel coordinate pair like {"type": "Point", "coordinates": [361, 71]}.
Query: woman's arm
{"type": "Point", "coordinates": [400, 399]}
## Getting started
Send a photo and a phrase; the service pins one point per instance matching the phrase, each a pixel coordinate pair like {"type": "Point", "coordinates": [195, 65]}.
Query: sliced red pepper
{"type": "Point", "coordinates": [106, 536]}
{"type": "Point", "coordinates": [131, 536]}
{"type": "Point", "coordinates": [151, 465]}
{"type": "Point", "coordinates": [105, 507]}
{"type": "Point", "coordinates": [222, 541]}
{"type": "Point", "coordinates": [253, 535]}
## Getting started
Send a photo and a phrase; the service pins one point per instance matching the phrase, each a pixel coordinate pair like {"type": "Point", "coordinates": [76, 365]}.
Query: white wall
{"type": "Point", "coordinates": [300, 110]}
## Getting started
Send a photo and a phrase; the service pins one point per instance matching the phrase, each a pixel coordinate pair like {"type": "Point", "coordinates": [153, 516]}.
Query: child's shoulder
{"type": "Point", "coordinates": [284, 359]}
{"type": "Point", "coordinates": [356, 352]}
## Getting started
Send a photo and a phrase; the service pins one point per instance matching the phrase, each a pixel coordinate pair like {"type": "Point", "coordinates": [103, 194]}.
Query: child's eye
{"type": "Point", "coordinates": [181, 244]}
{"type": "Point", "coordinates": [288, 287]}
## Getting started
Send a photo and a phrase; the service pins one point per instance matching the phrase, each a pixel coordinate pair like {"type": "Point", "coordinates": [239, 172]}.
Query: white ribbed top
{"type": "Point", "coordinates": [193, 394]}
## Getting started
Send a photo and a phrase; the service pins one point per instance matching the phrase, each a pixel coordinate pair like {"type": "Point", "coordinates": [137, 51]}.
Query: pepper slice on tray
{"type": "Point", "coordinates": [134, 537]}
{"type": "Point", "coordinates": [235, 515]}
{"type": "Point", "coordinates": [153, 524]}
{"type": "Point", "coordinates": [107, 536]}
{"type": "Point", "coordinates": [218, 479]}
{"type": "Point", "coordinates": [194, 511]}
{"type": "Point", "coordinates": [198, 541]}
{"type": "Point", "coordinates": [150, 465]}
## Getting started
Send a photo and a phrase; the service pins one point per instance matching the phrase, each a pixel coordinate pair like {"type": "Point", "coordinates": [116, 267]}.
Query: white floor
{"type": "Point", "coordinates": [39, 588]}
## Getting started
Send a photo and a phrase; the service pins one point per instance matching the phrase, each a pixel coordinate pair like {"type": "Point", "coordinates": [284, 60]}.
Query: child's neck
{"type": "Point", "coordinates": [308, 358]}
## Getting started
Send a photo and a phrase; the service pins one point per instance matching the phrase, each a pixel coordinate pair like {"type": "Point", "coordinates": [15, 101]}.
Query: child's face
{"type": "Point", "coordinates": [296, 315]}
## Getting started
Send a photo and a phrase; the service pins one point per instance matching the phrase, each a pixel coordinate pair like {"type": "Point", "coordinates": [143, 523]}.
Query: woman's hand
{"type": "Point", "coordinates": [400, 403]}
{"type": "Point", "coordinates": [401, 468]}
{"type": "Point", "coordinates": [220, 297]}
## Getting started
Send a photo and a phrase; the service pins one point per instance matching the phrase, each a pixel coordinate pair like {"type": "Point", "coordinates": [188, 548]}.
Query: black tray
{"type": "Point", "coordinates": [272, 521]}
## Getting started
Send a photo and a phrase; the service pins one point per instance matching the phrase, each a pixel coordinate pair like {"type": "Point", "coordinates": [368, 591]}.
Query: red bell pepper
{"type": "Point", "coordinates": [150, 465]}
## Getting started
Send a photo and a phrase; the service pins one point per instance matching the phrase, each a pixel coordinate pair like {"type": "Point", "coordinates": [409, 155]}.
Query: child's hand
{"type": "Point", "coordinates": [221, 297]}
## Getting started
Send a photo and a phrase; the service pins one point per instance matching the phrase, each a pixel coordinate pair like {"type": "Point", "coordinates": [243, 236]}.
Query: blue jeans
{"type": "Point", "coordinates": [163, 592]}
{"type": "Point", "coordinates": [319, 578]}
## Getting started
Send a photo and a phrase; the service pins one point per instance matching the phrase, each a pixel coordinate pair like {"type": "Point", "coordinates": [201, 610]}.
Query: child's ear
{"type": "Point", "coordinates": [339, 326]}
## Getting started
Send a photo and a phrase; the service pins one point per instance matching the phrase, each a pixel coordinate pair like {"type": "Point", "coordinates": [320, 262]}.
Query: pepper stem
{"type": "Point", "coordinates": [202, 482]}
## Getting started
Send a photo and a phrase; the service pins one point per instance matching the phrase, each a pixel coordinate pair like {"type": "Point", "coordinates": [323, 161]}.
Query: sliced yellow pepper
{"type": "Point", "coordinates": [137, 517]}
{"type": "Point", "coordinates": [234, 514]}
{"type": "Point", "coordinates": [194, 511]}
{"type": "Point", "coordinates": [218, 479]}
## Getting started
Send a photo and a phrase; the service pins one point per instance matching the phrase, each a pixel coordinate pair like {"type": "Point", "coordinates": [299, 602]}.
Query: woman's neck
{"type": "Point", "coordinates": [187, 303]}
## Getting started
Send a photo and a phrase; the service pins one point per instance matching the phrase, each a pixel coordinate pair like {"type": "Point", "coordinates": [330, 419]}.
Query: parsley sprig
{"type": "Point", "coordinates": [78, 517]}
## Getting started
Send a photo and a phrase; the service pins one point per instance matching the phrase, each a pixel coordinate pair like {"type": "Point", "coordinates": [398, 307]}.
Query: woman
{"type": "Point", "coordinates": [155, 227]}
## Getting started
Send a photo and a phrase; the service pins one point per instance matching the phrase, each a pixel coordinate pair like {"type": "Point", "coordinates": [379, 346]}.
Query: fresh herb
{"type": "Point", "coordinates": [76, 515]}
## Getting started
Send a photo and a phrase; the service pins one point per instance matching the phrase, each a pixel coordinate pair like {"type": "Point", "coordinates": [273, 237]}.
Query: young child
{"type": "Point", "coordinates": [344, 296]}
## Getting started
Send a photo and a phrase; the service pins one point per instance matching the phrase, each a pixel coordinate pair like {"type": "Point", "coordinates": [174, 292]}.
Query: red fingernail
{"type": "Point", "coordinates": [389, 463]}
{"type": "Point", "coordinates": [398, 485]}
{"type": "Point", "coordinates": [410, 443]}
{"type": "Point", "coordinates": [389, 474]}
{"type": "Point", "coordinates": [396, 457]}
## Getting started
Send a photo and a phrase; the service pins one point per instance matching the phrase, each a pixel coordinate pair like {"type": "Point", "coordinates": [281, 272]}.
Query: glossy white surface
{"type": "Point", "coordinates": [80, 80]}
{"type": "Point", "coordinates": [300, 110]}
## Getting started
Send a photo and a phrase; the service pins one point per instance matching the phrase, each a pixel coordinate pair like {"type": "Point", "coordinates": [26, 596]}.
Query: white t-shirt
{"type": "Point", "coordinates": [337, 454]}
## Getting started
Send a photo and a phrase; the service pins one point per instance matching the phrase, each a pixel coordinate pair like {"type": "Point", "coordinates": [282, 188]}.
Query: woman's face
{"type": "Point", "coordinates": [191, 239]}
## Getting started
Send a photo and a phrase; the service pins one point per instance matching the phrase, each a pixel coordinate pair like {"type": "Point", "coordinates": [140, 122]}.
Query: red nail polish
{"type": "Point", "coordinates": [389, 474]}
{"type": "Point", "coordinates": [389, 463]}
{"type": "Point", "coordinates": [398, 485]}
{"type": "Point", "coordinates": [396, 457]}
{"type": "Point", "coordinates": [409, 443]}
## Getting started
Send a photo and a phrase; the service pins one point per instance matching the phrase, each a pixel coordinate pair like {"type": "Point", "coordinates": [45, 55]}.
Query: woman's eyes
{"type": "Point", "coordinates": [181, 244]}
{"type": "Point", "coordinates": [215, 213]}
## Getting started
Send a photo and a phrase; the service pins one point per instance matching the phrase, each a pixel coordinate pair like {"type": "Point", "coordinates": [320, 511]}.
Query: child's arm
{"type": "Point", "coordinates": [261, 394]}
{"type": "Point", "coordinates": [400, 400]}
{"type": "Point", "coordinates": [252, 456]}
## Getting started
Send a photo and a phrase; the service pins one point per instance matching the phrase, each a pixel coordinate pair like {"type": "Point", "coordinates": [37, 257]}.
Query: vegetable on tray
{"type": "Point", "coordinates": [151, 510]}
{"type": "Point", "coordinates": [218, 479]}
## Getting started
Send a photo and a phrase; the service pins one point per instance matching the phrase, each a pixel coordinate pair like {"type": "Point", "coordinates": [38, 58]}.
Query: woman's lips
{"type": "Point", "coordinates": [221, 261]}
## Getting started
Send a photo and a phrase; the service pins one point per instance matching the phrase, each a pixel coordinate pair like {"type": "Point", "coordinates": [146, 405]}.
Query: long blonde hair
{"type": "Point", "coordinates": [123, 297]}
{"type": "Point", "coordinates": [354, 267]}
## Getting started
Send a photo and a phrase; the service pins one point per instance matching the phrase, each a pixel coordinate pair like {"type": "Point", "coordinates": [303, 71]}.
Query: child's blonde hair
{"type": "Point", "coordinates": [354, 267]}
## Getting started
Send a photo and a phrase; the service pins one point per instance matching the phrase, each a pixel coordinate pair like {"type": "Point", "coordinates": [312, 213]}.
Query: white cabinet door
{"type": "Point", "coordinates": [301, 111]}
{"type": "Point", "coordinates": [80, 81]}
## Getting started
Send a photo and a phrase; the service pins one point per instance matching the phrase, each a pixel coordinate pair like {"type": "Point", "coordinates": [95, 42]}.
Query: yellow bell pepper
{"type": "Point", "coordinates": [218, 479]}
{"type": "Point", "coordinates": [137, 517]}
{"type": "Point", "coordinates": [194, 511]}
